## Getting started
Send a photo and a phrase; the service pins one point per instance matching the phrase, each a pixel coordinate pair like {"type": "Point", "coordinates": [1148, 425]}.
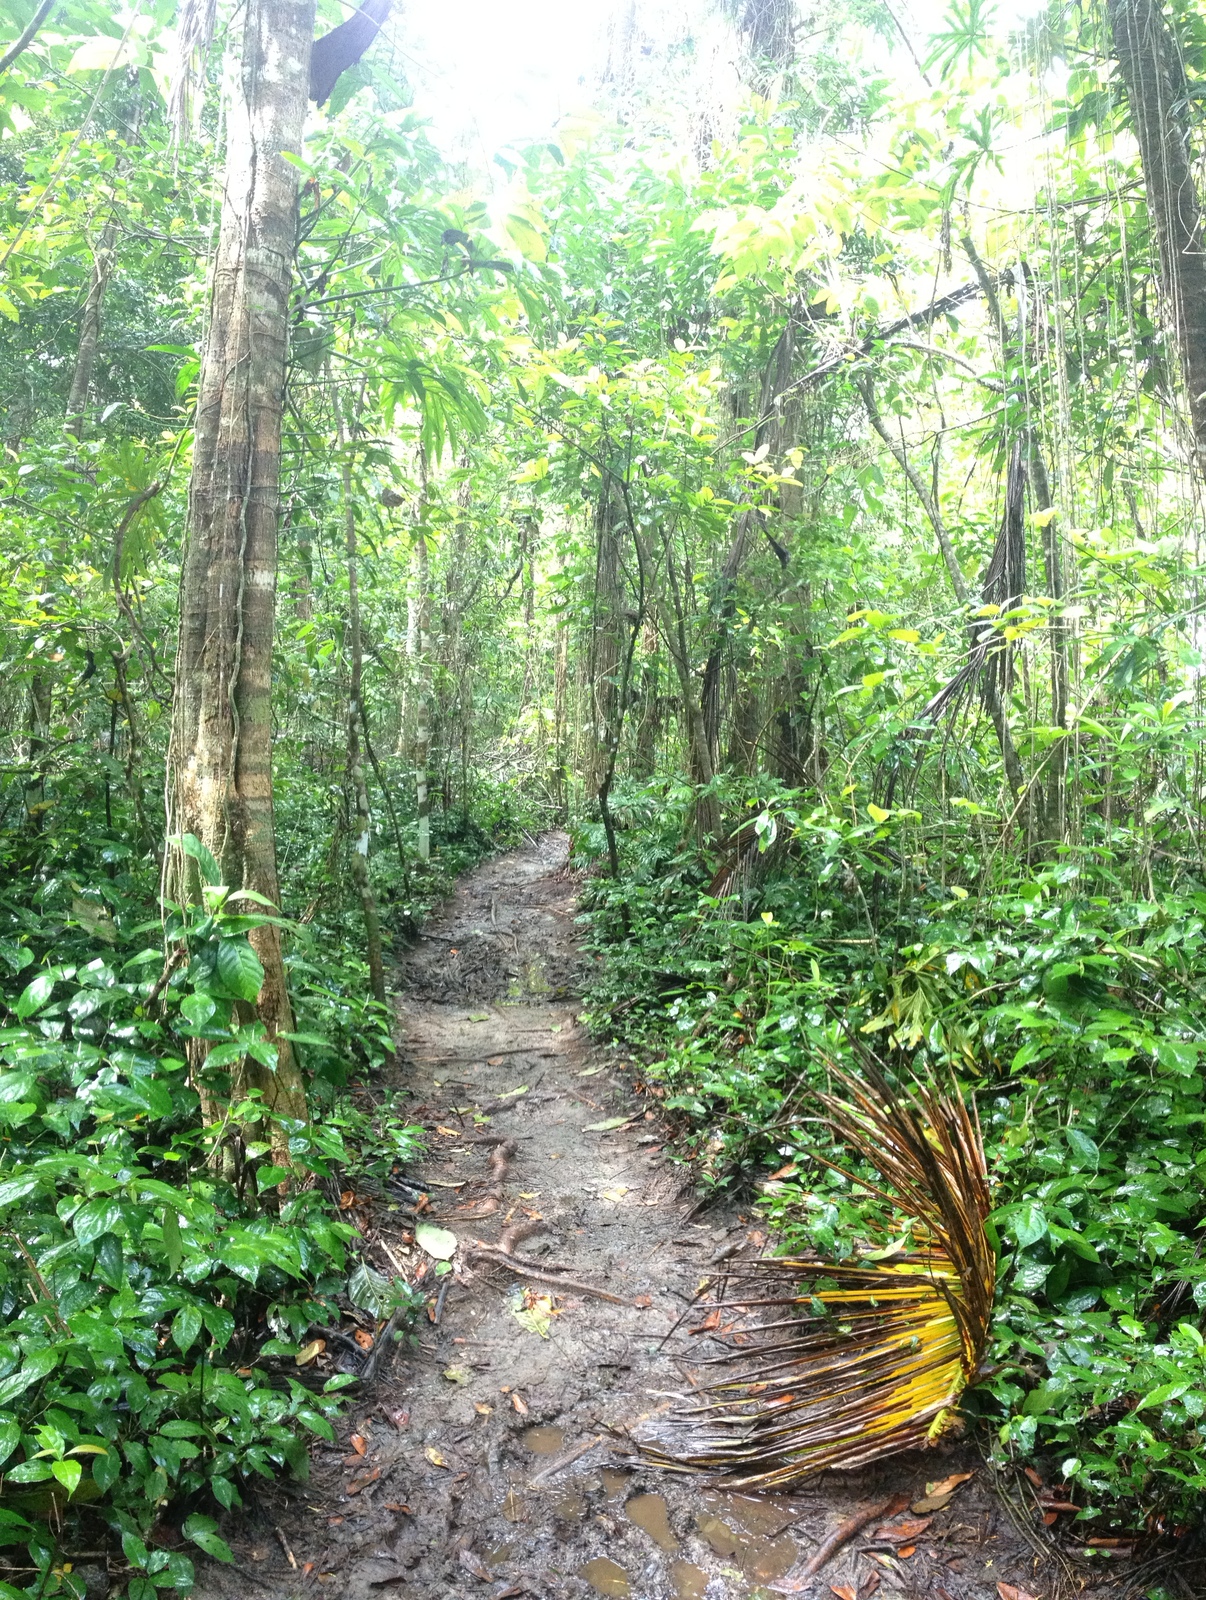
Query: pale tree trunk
{"type": "Point", "coordinates": [90, 327]}
{"type": "Point", "coordinates": [355, 766]}
{"type": "Point", "coordinates": [418, 640]}
{"type": "Point", "coordinates": [1150, 63]}
{"type": "Point", "coordinates": [222, 733]}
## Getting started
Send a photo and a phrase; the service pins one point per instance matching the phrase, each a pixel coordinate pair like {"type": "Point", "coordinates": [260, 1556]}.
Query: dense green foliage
{"type": "Point", "coordinates": [780, 479]}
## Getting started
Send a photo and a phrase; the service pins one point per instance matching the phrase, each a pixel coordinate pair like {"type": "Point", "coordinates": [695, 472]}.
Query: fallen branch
{"type": "Point", "coordinates": [839, 1538]}
{"type": "Point", "coordinates": [566, 1460]}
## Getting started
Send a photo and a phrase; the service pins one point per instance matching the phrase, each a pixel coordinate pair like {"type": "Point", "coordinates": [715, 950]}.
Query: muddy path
{"type": "Point", "coordinates": [488, 1459]}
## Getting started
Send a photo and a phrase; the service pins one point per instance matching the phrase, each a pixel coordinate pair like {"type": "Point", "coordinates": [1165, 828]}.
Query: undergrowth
{"type": "Point", "coordinates": [159, 1275]}
{"type": "Point", "coordinates": [1073, 1014]}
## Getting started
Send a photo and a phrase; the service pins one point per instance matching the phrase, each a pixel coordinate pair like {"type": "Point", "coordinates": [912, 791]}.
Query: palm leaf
{"type": "Point", "coordinates": [836, 1364]}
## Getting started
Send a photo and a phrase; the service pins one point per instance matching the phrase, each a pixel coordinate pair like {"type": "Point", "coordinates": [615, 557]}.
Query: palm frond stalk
{"type": "Point", "coordinates": [836, 1364]}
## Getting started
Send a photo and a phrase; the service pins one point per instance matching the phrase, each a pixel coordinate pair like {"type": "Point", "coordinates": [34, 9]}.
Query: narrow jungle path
{"type": "Point", "coordinates": [490, 1459]}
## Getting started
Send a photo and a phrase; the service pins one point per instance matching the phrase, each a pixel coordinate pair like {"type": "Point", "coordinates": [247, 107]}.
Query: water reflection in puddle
{"type": "Point", "coordinates": [762, 1560]}
{"type": "Point", "coordinates": [543, 1441]}
{"type": "Point", "coordinates": [605, 1577]}
{"type": "Point", "coordinates": [615, 1482]}
{"type": "Point", "coordinates": [690, 1582]}
{"type": "Point", "coordinates": [649, 1511]}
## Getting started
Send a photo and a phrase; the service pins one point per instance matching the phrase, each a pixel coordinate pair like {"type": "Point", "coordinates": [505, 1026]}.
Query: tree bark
{"type": "Point", "coordinates": [419, 643]}
{"type": "Point", "coordinates": [222, 731]}
{"type": "Point", "coordinates": [1150, 65]}
{"type": "Point", "coordinates": [355, 766]}
{"type": "Point", "coordinates": [90, 328]}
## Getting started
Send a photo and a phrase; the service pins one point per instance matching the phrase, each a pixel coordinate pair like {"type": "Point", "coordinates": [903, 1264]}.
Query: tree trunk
{"type": "Point", "coordinates": [355, 767]}
{"type": "Point", "coordinates": [222, 733]}
{"type": "Point", "coordinates": [419, 641]}
{"type": "Point", "coordinates": [90, 327]}
{"type": "Point", "coordinates": [1150, 64]}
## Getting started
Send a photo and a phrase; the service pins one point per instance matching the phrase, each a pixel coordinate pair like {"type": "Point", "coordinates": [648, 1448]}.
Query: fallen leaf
{"type": "Point", "coordinates": [482, 1409]}
{"type": "Point", "coordinates": [870, 1585]}
{"type": "Point", "coordinates": [908, 1529]}
{"type": "Point", "coordinates": [712, 1320]}
{"type": "Point", "coordinates": [593, 1072]}
{"type": "Point", "coordinates": [358, 1443]}
{"type": "Point", "coordinates": [473, 1564]}
{"type": "Point", "coordinates": [535, 1312]}
{"type": "Point", "coordinates": [363, 1338]}
{"type": "Point", "coordinates": [618, 1193]}
{"type": "Point", "coordinates": [347, 1199]}
{"type": "Point", "coordinates": [307, 1569]}
{"type": "Point", "coordinates": [607, 1125]}
{"type": "Point", "coordinates": [449, 1133]}
{"type": "Point", "coordinates": [458, 1375]}
{"type": "Point", "coordinates": [310, 1352]}
{"type": "Point", "coordinates": [884, 1561]}
{"type": "Point", "coordinates": [533, 1194]}
{"type": "Point", "coordinates": [905, 1551]}
{"type": "Point", "coordinates": [1050, 1518]}
{"type": "Point", "coordinates": [844, 1591]}
{"type": "Point", "coordinates": [363, 1481]}
{"type": "Point", "coordinates": [1010, 1591]}
{"type": "Point", "coordinates": [494, 1061]}
{"type": "Point", "coordinates": [520, 1404]}
{"type": "Point", "coordinates": [789, 1171]}
{"type": "Point", "coordinates": [398, 1418]}
{"type": "Point", "coordinates": [643, 1302]}
{"type": "Point", "coordinates": [437, 1242]}
{"type": "Point", "coordinates": [948, 1485]}
{"type": "Point", "coordinates": [1035, 1477]}
{"type": "Point", "coordinates": [434, 1456]}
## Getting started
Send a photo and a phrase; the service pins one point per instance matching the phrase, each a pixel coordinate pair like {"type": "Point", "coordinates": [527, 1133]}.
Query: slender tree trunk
{"type": "Point", "coordinates": [90, 328]}
{"type": "Point", "coordinates": [222, 733]}
{"type": "Point", "coordinates": [1150, 65]}
{"type": "Point", "coordinates": [419, 642]}
{"type": "Point", "coordinates": [355, 767]}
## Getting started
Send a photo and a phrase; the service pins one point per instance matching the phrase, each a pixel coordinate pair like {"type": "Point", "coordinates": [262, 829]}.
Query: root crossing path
{"type": "Point", "coordinates": [489, 1458]}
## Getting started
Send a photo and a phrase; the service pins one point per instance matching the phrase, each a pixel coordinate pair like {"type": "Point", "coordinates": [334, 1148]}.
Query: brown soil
{"type": "Point", "coordinates": [494, 1458]}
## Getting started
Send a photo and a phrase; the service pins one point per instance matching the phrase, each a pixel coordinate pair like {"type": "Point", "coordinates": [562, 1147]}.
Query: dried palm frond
{"type": "Point", "coordinates": [836, 1364]}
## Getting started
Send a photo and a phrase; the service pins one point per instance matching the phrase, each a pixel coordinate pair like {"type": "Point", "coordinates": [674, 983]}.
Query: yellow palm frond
{"type": "Point", "coordinates": [835, 1364]}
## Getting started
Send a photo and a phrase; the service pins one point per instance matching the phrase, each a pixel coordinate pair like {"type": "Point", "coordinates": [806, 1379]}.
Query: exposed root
{"type": "Point", "coordinates": [543, 1273]}
{"type": "Point", "coordinates": [505, 1149]}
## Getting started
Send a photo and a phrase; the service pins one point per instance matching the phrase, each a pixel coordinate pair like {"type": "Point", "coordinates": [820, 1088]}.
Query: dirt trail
{"type": "Point", "coordinates": [480, 1475]}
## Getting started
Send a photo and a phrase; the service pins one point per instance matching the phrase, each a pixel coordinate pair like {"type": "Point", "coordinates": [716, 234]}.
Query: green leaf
{"type": "Point", "coordinates": [211, 872]}
{"type": "Point", "coordinates": [36, 1367]}
{"type": "Point", "coordinates": [172, 1244]}
{"type": "Point", "coordinates": [186, 1327]}
{"type": "Point", "coordinates": [437, 1242]}
{"type": "Point", "coordinates": [1029, 1224]}
{"type": "Point", "coordinates": [35, 994]}
{"type": "Point", "coordinates": [239, 968]}
{"type": "Point", "coordinates": [606, 1126]}
{"type": "Point", "coordinates": [68, 1473]}
{"type": "Point", "coordinates": [203, 1531]}
{"type": "Point", "coordinates": [1162, 1394]}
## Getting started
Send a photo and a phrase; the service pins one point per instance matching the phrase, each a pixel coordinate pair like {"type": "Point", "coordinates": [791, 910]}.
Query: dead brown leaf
{"type": "Point", "coordinates": [909, 1529]}
{"type": "Point", "coordinates": [363, 1338]}
{"type": "Point", "coordinates": [712, 1320]}
{"type": "Point", "coordinates": [1010, 1591]}
{"type": "Point", "coordinates": [643, 1302]}
{"type": "Point", "coordinates": [1035, 1477]}
{"type": "Point", "coordinates": [347, 1199]}
{"type": "Point", "coordinates": [436, 1459]}
{"type": "Point", "coordinates": [844, 1591]}
{"type": "Point", "coordinates": [905, 1551]}
{"type": "Point", "coordinates": [397, 1505]}
{"type": "Point", "coordinates": [949, 1485]}
{"type": "Point", "coordinates": [363, 1481]}
{"type": "Point", "coordinates": [449, 1133]}
{"type": "Point", "coordinates": [789, 1171]}
{"type": "Point", "coordinates": [482, 1409]}
{"type": "Point", "coordinates": [869, 1586]}
{"type": "Point", "coordinates": [397, 1417]}
{"type": "Point", "coordinates": [475, 1565]}
{"type": "Point", "coordinates": [358, 1443]}
{"type": "Point", "coordinates": [310, 1352]}
{"type": "Point", "coordinates": [520, 1404]}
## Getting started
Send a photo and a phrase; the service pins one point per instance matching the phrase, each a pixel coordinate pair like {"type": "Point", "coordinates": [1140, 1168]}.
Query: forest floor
{"type": "Point", "coordinates": [489, 1459]}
